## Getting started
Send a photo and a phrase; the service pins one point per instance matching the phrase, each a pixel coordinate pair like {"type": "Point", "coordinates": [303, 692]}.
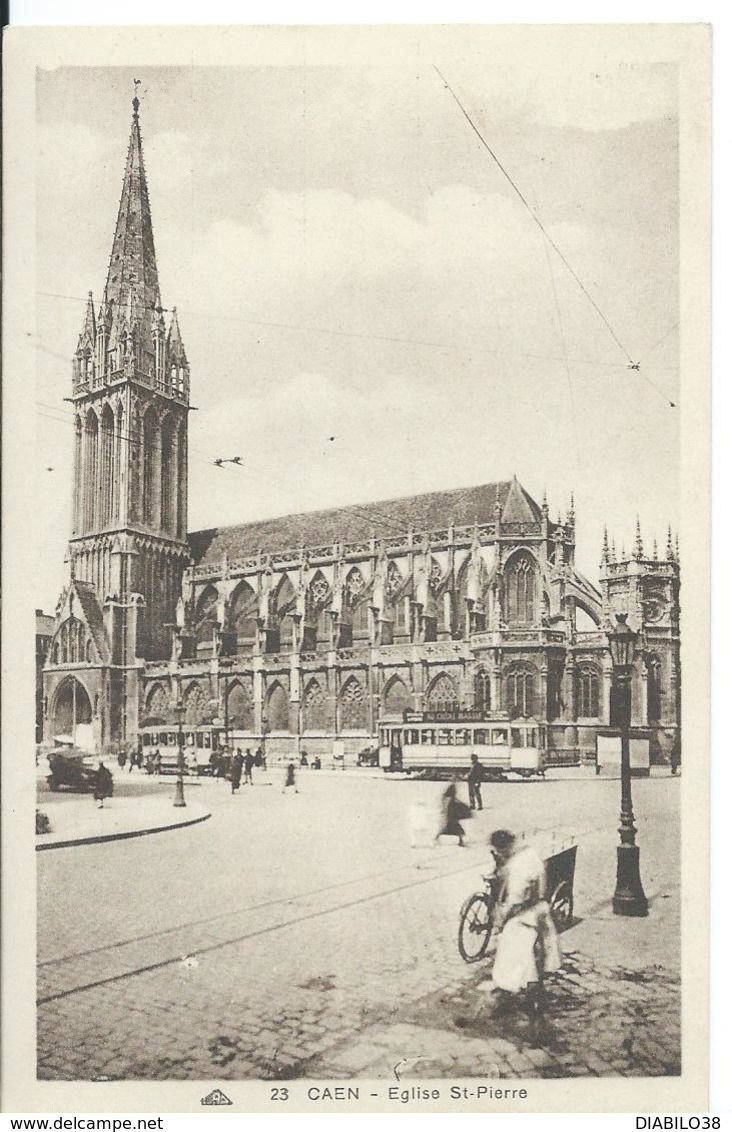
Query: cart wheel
{"type": "Point", "coordinates": [562, 904]}
{"type": "Point", "coordinates": [476, 923]}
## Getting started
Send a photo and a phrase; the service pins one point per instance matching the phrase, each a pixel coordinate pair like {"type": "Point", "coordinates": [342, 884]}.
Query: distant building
{"type": "Point", "coordinates": [45, 624]}
{"type": "Point", "coordinates": [315, 626]}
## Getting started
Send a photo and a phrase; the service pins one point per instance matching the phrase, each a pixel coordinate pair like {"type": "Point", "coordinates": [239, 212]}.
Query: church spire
{"type": "Point", "coordinates": [132, 278]}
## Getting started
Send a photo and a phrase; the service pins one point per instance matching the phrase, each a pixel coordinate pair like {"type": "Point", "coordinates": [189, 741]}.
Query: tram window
{"type": "Point", "coordinates": [500, 735]}
{"type": "Point", "coordinates": [163, 738]}
{"type": "Point", "coordinates": [530, 736]}
{"type": "Point", "coordinates": [407, 737]}
{"type": "Point", "coordinates": [215, 740]}
{"type": "Point", "coordinates": [463, 737]}
{"type": "Point", "coordinates": [153, 738]}
{"type": "Point", "coordinates": [199, 739]}
{"type": "Point", "coordinates": [482, 738]}
{"type": "Point", "coordinates": [207, 740]}
{"type": "Point", "coordinates": [190, 739]}
{"type": "Point", "coordinates": [146, 739]}
{"type": "Point", "coordinates": [428, 736]}
{"type": "Point", "coordinates": [517, 737]}
{"type": "Point", "coordinates": [445, 738]}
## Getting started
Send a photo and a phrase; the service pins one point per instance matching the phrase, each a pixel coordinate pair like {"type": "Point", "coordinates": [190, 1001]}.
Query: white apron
{"type": "Point", "coordinates": [528, 945]}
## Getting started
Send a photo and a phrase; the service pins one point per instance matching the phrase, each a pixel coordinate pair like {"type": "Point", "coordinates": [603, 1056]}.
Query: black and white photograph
{"type": "Point", "coordinates": [356, 411]}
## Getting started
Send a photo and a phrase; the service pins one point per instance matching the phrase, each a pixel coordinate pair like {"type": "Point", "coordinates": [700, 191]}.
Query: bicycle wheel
{"type": "Point", "coordinates": [476, 923]}
{"type": "Point", "coordinates": [562, 905]}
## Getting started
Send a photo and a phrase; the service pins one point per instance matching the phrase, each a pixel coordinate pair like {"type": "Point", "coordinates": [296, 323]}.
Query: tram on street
{"type": "Point", "coordinates": [440, 744]}
{"type": "Point", "coordinates": [199, 743]}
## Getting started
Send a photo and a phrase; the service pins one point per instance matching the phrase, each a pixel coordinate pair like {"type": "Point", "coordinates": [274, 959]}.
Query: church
{"type": "Point", "coordinates": [300, 631]}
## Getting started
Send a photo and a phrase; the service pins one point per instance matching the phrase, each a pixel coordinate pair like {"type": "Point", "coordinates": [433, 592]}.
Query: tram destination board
{"type": "Point", "coordinates": [448, 715]}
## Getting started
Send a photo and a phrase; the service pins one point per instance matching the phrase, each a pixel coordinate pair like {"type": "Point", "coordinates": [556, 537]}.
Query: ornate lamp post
{"type": "Point", "coordinates": [179, 798]}
{"type": "Point", "coordinates": [629, 898]}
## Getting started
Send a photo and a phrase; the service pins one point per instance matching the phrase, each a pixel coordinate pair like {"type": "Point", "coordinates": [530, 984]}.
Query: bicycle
{"type": "Point", "coordinates": [477, 913]}
{"type": "Point", "coordinates": [477, 919]}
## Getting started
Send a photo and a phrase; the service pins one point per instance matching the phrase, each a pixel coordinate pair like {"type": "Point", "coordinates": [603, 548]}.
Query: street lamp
{"type": "Point", "coordinates": [179, 798]}
{"type": "Point", "coordinates": [629, 898]}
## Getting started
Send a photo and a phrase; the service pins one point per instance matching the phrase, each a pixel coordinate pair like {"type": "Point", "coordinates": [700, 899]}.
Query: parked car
{"type": "Point", "coordinates": [71, 768]}
{"type": "Point", "coordinates": [369, 756]}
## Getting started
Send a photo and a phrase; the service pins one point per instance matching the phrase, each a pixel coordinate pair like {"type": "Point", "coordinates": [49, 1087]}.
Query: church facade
{"type": "Point", "coordinates": [309, 628]}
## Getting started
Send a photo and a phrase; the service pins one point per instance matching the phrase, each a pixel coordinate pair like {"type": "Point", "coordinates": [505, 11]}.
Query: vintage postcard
{"type": "Point", "coordinates": [356, 464]}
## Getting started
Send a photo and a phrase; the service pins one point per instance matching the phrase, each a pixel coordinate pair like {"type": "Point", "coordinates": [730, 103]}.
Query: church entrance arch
{"type": "Point", "coordinates": [72, 714]}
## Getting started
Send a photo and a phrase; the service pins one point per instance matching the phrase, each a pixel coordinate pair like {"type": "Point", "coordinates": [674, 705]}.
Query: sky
{"type": "Point", "coordinates": [368, 308]}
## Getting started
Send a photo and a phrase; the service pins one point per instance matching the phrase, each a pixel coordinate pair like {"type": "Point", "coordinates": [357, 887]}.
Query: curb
{"type": "Point", "coordinates": [97, 839]}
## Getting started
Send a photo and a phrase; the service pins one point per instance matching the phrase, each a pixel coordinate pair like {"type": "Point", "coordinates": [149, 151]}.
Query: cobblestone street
{"type": "Point", "coordinates": [301, 935]}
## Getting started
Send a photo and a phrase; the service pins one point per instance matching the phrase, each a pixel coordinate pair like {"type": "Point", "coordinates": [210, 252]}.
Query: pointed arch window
{"type": "Point", "coordinates": [482, 690]}
{"type": "Point", "coordinates": [278, 715]}
{"type": "Point", "coordinates": [243, 616]}
{"type": "Point", "coordinates": [150, 482]}
{"type": "Point", "coordinates": [313, 707]}
{"type": "Point", "coordinates": [240, 705]}
{"type": "Point", "coordinates": [442, 694]}
{"type": "Point", "coordinates": [353, 705]}
{"type": "Point", "coordinates": [194, 704]}
{"type": "Point", "coordinates": [206, 617]}
{"type": "Point", "coordinates": [396, 697]}
{"type": "Point", "coordinates": [588, 692]}
{"type": "Point", "coordinates": [521, 590]}
{"type": "Point", "coordinates": [520, 692]}
{"type": "Point", "coordinates": [168, 475]}
{"type": "Point", "coordinates": [91, 456]}
{"type": "Point", "coordinates": [654, 688]}
{"type": "Point", "coordinates": [107, 470]}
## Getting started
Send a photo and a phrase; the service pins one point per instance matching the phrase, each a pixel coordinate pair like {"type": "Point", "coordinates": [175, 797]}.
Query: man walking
{"type": "Point", "coordinates": [248, 764]}
{"type": "Point", "coordinates": [475, 778]}
{"type": "Point", "coordinates": [236, 765]}
{"type": "Point", "coordinates": [290, 778]}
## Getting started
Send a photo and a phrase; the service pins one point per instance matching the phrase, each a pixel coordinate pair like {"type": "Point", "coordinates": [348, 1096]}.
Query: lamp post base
{"type": "Point", "coordinates": [179, 799]}
{"type": "Point", "coordinates": [629, 898]}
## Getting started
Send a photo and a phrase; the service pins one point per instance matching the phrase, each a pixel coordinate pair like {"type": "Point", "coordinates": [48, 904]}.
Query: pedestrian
{"type": "Point", "coordinates": [192, 761]}
{"type": "Point", "coordinates": [157, 763]}
{"type": "Point", "coordinates": [527, 942]}
{"type": "Point", "coordinates": [103, 785]}
{"type": "Point", "coordinates": [304, 758]}
{"type": "Point", "coordinates": [675, 759]}
{"type": "Point", "coordinates": [260, 758]}
{"type": "Point", "coordinates": [121, 759]}
{"type": "Point", "coordinates": [452, 811]}
{"type": "Point", "coordinates": [475, 778]}
{"type": "Point", "coordinates": [248, 764]}
{"type": "Point", "coordinates": [236, 764]}
{"type": "Point", "coordinates": [290, 778]}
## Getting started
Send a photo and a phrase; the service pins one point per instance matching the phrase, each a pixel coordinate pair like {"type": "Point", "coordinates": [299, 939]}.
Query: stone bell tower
{"type": "Point", "coordinates": [130, 395]}
{"type": "Point", "coordinates": [646, 586]}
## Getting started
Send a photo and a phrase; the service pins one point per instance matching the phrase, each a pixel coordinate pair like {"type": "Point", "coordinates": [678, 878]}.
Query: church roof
{"type": "Point", "coordinates": [360, 522]}
{"type": "Point", "coordinates": [132, 279]}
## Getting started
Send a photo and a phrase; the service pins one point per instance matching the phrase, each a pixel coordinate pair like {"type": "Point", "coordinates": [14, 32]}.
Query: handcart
{"type": "Point", "coordinates": [477, 913]}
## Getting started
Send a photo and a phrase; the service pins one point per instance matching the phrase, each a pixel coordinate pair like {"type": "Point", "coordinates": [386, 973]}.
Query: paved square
{"type": "Point", "coordinates": [302, 935]}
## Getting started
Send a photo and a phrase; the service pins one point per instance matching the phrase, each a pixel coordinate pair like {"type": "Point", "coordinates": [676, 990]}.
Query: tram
{"type": "Point", "coordinates": [199, 743]}
{"type": "Point", "coordinates": [440, 744]}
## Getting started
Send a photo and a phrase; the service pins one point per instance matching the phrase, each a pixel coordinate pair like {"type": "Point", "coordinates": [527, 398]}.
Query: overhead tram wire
{"type": "Point", "coordinates": [631, 364]}
{"type": "Point", "coordinates": [375, 518]}
{"type": "Point", "coordinates": [563, 342]}
{"type": "Point", "coordinates": [188, 312]}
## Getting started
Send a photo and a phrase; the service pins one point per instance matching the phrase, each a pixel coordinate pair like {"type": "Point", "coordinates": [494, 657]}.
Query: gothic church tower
{"type": "Point", "coordinates": [130, 392]}
{"type": "Point", "coordinates": [128, 545]}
